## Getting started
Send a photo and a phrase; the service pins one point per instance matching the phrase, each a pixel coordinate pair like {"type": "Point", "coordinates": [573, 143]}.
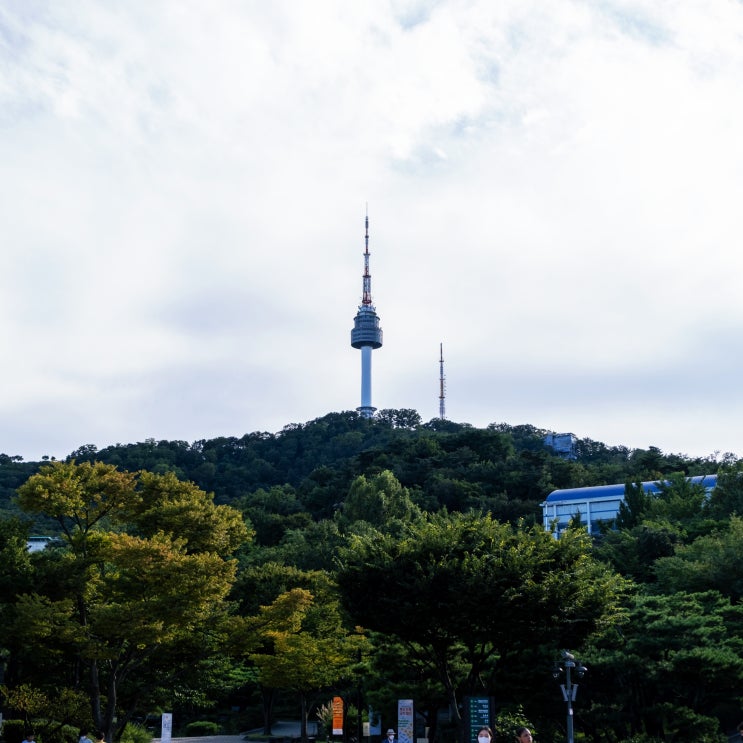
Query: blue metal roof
{"type": "Point", "coordinates": [616, 491]}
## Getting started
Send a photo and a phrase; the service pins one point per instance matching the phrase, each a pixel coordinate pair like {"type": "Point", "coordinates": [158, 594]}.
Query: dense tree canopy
{"type": "Point", "coordinates": [146, 566]}
{"type": "Point", "coordinates": [427, 534]}
{"type": "Point", "coordinates": [504, 469]}
{"type": "Point", "coordinates": [466, 587]}
{"type": "Point", "coordinates": [675, 666]}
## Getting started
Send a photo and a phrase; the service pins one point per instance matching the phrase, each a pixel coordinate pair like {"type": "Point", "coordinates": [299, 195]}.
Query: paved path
{"type": "Point", "coordinates": [280, 729]}
{"type": "Point", "coordinates": [208, 739]}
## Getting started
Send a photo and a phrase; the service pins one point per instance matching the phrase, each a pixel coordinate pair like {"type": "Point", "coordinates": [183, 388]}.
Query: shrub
{"type": "Point", "coordinates": [68, 734]}
{"type": "Point", "coordinates": [135, 734]}
{"type": "Point", "coordinates": [201, 727]}
{"type": "Point", "coordinates": [508, 720]}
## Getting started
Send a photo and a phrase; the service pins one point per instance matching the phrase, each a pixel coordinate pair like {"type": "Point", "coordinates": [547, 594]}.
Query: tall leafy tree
{"type": "Point", "coordinates": [147, 565]}
{"type": "Point", "coordinates": [679, 503]}
{"type": "Point", "coordinates": [300, 645]}
{"type": "Point", "coordinates": [634, 506]}
{"type": "Point", "coordinates": [633, 552]}
{"type": "Point", "coordinates": [727, 497]}
{"type": "Point", "coordinates": [711, 562]}
{"type": "Point", "coordinates": [273, 512]}
{"type": "Point", "coordinates": [462, 586]}
{"type": "Point", "coordinates": [675, 666]}
{"type": "Point", "coordinates": [378, 500]}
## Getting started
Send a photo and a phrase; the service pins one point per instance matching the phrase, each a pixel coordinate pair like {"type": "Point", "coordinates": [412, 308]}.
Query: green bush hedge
{"type": "Point", "coordinates": [202, 727]}
{"type": "Point", "coordinates": [135, 734]}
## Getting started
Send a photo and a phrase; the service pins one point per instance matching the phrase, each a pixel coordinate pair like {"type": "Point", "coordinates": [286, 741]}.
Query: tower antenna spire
{"type": "Point", "coordinates": [366, 334]}
{"type": "Point", "coordinates": [442, 384]}
{"type": "Point", "coordinates": [366, 295]}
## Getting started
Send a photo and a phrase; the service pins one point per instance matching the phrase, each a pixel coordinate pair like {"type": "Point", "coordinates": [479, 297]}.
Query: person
{"type": "Point", "coordinates": [391, 735]}
{"type": "Point", "coordinates": [740, 730]}
{"type": "Point", "coordinates": [484, 735]}
{"type": "Point", "coordinates": [84, 736]}
{"type": "Point", "coordinates": [100, 737]}
{"type": "Point", "coordinates": [523, 735]}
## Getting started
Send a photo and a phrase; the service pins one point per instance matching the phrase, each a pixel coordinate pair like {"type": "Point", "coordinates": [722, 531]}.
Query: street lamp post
{"type": "Point", "coordinates": [569, 688]}
{"type": "Point", "coordinates": [359, 720]}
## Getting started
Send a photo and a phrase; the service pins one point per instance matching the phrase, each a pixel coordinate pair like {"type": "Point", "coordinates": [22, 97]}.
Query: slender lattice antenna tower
{"type": "Point", "coordinates": [442, 384]}
{"type": "Point", "coordinates": [366, 334]}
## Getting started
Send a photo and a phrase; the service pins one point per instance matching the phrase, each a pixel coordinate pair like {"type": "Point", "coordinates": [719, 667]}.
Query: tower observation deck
{"type": "Point", "coordinates": [366, 334]}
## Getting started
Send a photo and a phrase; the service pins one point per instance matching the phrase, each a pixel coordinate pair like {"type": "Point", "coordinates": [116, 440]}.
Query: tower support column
{"type": "Point", "coordinates": [366, 408]}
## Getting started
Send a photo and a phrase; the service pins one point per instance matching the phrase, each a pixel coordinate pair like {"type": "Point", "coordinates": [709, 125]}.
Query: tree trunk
{"type": "Point", "coordinates": [95, 695]}
{"type": "Point", "coordinates": [268, 696]}
{"type": "Point", "coordinates": [303, 721]}
{"type": "Point", "coordinates": [451, 695]}
{"type": "Point", "coordinates": [108, 720]}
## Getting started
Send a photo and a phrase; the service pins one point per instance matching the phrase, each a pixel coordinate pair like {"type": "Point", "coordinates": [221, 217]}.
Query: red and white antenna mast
{"type": "Point", "coordinates": [366, 299]}
{"type": "Point", "coordinates": [442, 384]}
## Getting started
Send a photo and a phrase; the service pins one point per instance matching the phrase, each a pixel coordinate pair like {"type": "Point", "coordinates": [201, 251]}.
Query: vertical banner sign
{"type": "Point", "coordinates": [167, 727]}
{"type": "Point", "coordinates": [405, 721]}
{"type": "Point", "coordinates": [478, 715]}
{"type": "Point", "coordinates": [337, 716]}
{"type": "Point", "coordinates": [375, 722]}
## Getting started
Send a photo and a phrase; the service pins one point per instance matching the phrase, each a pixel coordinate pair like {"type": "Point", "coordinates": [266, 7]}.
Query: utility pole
{"type": "Point", "coordinates": [569, 688]}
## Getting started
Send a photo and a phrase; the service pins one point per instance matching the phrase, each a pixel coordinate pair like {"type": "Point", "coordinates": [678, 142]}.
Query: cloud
{"type": "Point", "coordinates": [552, 194]}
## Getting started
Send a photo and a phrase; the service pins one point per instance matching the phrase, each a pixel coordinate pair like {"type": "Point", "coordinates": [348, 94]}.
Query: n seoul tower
{"type": "Point", "coordinates": [366, 334]}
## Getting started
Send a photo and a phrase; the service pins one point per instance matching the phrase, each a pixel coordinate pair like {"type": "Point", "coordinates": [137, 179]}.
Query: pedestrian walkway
{"type": "Point", "coordinates": [208, 739]}
{"type": "Point", "coordinates": [286, 729]}
{"type": "Point", "coordinates": [281, 729]}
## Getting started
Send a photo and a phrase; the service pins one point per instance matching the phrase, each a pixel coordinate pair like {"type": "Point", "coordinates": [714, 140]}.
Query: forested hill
{"type": "Point", "coordinates": [502, 468]}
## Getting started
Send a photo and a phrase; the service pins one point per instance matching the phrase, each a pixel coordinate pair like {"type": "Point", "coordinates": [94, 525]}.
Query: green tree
{"type": "Point", "coordinates": [634, 506]}
{"type": "Point", "coordinates": [393, 672]}
{"type": "Point", "coordinates": [652, 526]}
{"type": "Point", "coordinates": [464, 587]}
{"type": "Point", "coordinates": [15, 561]}
{"type": "Point", "coordinates": [633, 552]}
{"type": "Point", "coordinates": [402, 418]}
{"type": "Point", "coordinates": [727, 497]}
{"type": "Point", "coordinates": [180, 508]}
{"type": "Point", "coordinates": [300, 645]}
{"type": "Point", "coordinates": [711, 562]}
{"type": "Point", "coordinates": [147, 566]}
{"type": "Point", "coordinates": [675, 667]}
{"type": "Point", "coordinates": [49, 712]}
{"type": "Point", "coordinates": [679, 503]}
{"type": "Point", "coordinates": [378, 500]}
{"type": "Point", "coordinates": [273, 512]}
{"type": "Point", "coordinates": [311, 548]}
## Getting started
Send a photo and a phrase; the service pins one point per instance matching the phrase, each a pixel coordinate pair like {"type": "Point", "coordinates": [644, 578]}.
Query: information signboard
{"type": "Point", "coordinates": [405, 721]}
{"type": "Point", "coordinates": [166, 730]}
{"type": "Point", "coordinates": [479, 712]}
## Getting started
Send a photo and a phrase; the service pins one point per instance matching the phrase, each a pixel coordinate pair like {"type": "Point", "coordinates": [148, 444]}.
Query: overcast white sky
{"type": "Point", "coordinates": [553, 190]}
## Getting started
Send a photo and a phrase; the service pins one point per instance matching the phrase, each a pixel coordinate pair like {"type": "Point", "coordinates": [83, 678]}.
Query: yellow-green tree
{"type": "Point", "coordinates": [147, 564]}
{"type": "Point", "coordinates": [300, 645]}
{"type": "Point", "coordinates": [54, 710]}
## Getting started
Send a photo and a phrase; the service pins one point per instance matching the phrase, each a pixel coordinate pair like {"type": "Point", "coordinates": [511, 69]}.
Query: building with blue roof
{"type": "Point", "coordinates": [598, 503]}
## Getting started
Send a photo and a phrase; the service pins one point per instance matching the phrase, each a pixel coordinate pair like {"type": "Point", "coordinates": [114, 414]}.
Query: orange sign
{"type": "Point", "coordinates": [337, 716]}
